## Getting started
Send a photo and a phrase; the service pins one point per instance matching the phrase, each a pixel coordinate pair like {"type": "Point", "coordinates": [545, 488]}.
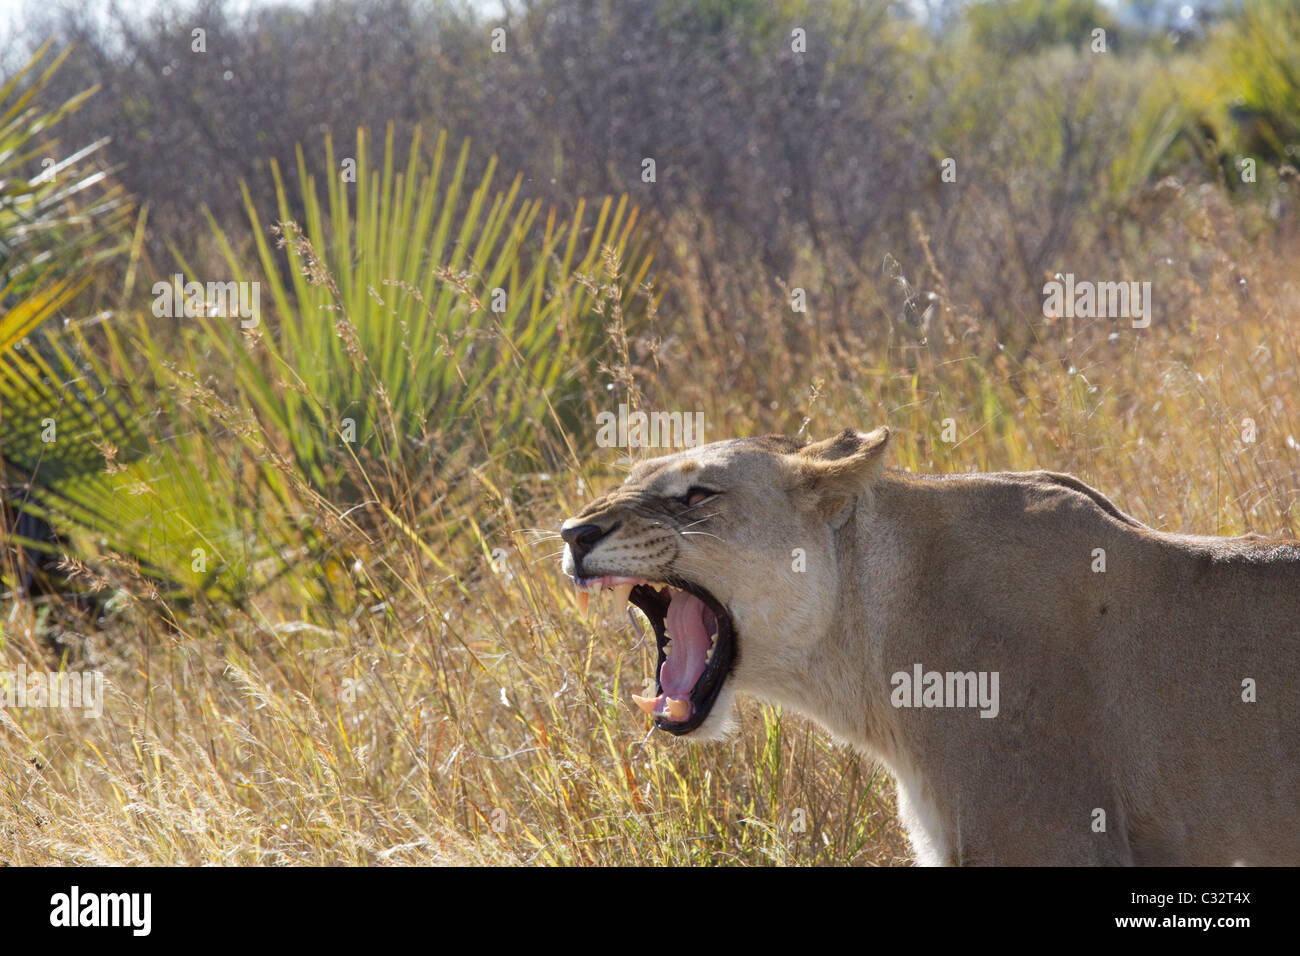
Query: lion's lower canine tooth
{"type": "Point", "coordinates": [678, 709]}
{"type": "Point", "coordinates": [647, 704]}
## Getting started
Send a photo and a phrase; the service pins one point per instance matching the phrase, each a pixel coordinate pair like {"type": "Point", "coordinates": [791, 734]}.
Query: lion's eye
{"type": "Point", "coordinates": [697, 495]}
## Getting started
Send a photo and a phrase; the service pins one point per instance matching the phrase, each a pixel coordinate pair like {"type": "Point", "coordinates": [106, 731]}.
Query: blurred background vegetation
{"type": "Point", "coordinates": [313, 553]}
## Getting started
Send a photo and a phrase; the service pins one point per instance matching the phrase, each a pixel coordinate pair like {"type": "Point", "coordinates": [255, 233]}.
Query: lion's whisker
{"type": "Point", "coordinates": [700, 520]}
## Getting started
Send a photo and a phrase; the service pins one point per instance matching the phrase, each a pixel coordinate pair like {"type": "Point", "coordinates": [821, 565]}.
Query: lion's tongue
{"type": "Point", "coordinates": [690, 644]}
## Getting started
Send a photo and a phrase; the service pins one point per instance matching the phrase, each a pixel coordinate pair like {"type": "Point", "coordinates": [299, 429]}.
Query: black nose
{"type": "Point", "coordinates": [581, 538]}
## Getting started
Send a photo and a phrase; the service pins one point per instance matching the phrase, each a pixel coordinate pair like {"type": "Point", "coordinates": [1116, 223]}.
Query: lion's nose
{"type": "Point", "coordinates": [581, 538]}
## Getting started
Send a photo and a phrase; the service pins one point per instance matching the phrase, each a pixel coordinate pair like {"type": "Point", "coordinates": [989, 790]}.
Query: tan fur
{"type": "Point", "coordinates": [1120, 691]}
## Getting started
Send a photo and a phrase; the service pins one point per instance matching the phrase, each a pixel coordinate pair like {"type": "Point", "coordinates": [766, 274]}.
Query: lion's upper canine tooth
{"type": "Point", "coordinates": [583, 599]}
{"type": "Point", "coordinates": [647, 704]}
{"type": "Point", "coordinates": [621, 593]}
{"type": "Point", "coordinates": [678, 709]}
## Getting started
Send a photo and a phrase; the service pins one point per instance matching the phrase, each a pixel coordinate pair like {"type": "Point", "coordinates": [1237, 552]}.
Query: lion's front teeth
{"type": "Point", "coordinates": [584, 588]}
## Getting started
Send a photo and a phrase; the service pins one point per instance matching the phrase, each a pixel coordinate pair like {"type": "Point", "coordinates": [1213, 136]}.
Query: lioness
{"type": "Point", "coordinates": [1048, 680]}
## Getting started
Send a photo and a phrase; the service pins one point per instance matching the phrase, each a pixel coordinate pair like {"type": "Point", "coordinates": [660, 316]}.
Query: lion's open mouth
{"type": "Point", "coordinates": [696, 640]}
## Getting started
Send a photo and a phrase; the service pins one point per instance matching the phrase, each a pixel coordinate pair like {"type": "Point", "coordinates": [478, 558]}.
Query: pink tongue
{"type": "Point", "coordinates": [689, 647]}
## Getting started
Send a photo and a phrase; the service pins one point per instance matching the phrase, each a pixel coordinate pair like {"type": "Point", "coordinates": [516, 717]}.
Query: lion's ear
{"type": "Point", "coordinates": [828, 476]}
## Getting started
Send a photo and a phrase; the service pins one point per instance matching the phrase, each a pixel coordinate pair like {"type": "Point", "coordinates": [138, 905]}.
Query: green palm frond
{"type": "Point", "coordinates": [57, 214]}
{"type": "Point", "coordinates": [423, 311]}
{"type": "Point", "coordinates": [78, 446]}
{"type": "Point", "coordinates": [414, 313]}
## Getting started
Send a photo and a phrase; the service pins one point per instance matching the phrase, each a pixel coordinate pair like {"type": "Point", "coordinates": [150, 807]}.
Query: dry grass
{"type": "Point", "coordinates": [482, 721]}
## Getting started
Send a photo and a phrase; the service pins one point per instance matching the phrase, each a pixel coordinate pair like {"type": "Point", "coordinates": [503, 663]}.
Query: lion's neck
{"type": "Point", "coordinates": [841, 681]}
